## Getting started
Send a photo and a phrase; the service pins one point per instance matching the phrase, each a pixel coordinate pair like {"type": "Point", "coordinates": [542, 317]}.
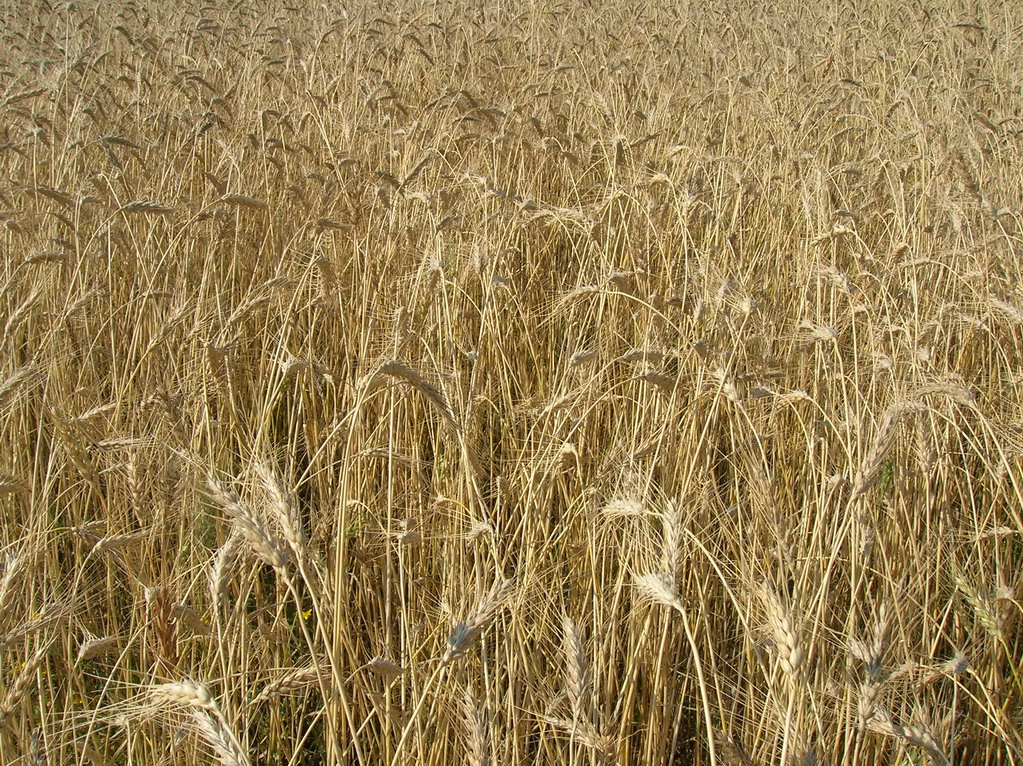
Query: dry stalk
{"type": "Point", "coordinates": [660, 588]}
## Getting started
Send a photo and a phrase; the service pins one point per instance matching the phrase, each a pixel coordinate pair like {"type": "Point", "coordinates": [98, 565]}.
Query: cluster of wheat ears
{"type": "Point", "coordinates": [594, 382]}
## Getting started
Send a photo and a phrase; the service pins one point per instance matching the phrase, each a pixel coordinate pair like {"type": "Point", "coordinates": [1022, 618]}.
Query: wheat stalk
{"type": "Point", "coordinates": [660, 588]}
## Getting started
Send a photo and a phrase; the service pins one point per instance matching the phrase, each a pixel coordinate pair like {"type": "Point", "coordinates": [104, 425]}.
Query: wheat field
{"type": "Point", "coordinates": [597, 382]}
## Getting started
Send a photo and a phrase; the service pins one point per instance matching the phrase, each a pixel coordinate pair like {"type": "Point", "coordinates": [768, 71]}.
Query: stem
{"type": "Point", "coordinates": [415, 714]}
{"type": "Point", "coordinates": [701, 681]}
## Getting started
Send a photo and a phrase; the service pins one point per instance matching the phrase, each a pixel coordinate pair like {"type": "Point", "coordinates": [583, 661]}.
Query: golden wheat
{"type": "Point", "coordinates": [606, 382]}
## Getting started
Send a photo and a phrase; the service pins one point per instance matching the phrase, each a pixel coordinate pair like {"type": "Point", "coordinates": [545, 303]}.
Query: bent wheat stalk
{"type": "Point", "coordinates": [660, 588]}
